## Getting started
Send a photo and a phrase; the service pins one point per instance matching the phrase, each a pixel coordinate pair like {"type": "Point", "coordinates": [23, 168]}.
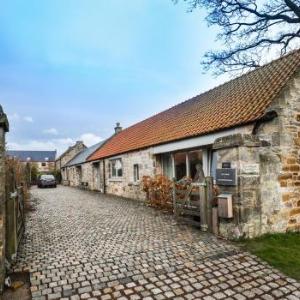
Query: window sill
{"type": "Point", "coordinates": [134, 183]}
{"type": "Point", "coordinates": [116, 179]}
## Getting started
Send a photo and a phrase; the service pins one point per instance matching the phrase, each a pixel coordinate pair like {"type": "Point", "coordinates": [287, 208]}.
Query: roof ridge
{"type": "Point", "coordinates": [96, 147]}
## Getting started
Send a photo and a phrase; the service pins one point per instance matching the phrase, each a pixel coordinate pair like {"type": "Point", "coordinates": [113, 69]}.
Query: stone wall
{"type": "Point", "coordinates": [280, 162]}
{"type": "Point", "coordinates": [81, 173]}
{"type": "Point", "coordinates": [242, 151]}
{"type": "Point", "coordinates": [49, 166]}
{"type": "Point", "coordinates": [126, 187]}
{"type": "Point", "coordinates": [69, 154]}
{"type": "Point", "coordinates": [266, 198]}
{"type": "Point", "coordinates": [73, 176]}
{"type": "Point", "coordinates": [3, 129]}
{"type": "Point", "coordinates": [66, 157]}
{"type": "Point", "coordinates": [91, 173]}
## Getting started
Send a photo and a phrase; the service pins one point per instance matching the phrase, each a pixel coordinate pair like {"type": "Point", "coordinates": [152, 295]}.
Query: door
{"type": "Point", "coordinates": [97, 176]}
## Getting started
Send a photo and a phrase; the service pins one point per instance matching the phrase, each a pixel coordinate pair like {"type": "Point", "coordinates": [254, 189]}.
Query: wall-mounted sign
{"type": "Point", "coordinates": [247, 168]}
{"type": "Point", "coordinates": [226, 177]}
{"type": "Point", "coordinates": [226, 165]}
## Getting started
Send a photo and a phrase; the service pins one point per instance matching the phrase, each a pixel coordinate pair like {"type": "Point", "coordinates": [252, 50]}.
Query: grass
{"type": "Point", "coordinates": [282, 251]}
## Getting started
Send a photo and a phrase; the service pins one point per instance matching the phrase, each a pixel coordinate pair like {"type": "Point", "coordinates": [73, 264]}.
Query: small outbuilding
{"type": "Point", "coordinates": [80, 173]}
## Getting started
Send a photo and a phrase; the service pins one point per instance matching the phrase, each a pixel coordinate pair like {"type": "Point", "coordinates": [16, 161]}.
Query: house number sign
{"type": "Point", "coordinates": [226, 177]}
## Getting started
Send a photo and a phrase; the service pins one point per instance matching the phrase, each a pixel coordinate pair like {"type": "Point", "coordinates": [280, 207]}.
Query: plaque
{"type": "Point", "coordinates": [250, 168]}
{"type": "Point", "coordinates": [226, 177]}
{"type": "Point", "coordinates": [226, 165]}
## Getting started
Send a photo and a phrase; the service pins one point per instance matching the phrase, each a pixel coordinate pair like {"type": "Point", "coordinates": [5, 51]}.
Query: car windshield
{"type": "Point", "coordinates": [47, 177]}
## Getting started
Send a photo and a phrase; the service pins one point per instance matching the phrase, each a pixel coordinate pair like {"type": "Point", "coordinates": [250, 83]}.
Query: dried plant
{"type": "Point", "coordinates": [159, 191]}
{"type": "Point", "coordinates": [16, 175]}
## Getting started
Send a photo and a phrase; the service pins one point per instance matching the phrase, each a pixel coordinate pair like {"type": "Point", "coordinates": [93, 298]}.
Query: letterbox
{"type": "Point", "coordinates": [225, 206]}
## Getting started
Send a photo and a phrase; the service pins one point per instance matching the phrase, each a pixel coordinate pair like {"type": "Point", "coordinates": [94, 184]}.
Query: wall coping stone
{"type": "Point", "coordinates": [237, 140]}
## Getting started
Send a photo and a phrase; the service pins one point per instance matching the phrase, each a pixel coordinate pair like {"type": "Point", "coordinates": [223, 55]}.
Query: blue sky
{"type": "Point", "coordinates": [70, 69]}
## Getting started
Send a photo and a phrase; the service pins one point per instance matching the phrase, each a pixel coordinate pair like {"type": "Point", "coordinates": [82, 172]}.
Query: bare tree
{"type": "Point", "coordinates": [250, 30]}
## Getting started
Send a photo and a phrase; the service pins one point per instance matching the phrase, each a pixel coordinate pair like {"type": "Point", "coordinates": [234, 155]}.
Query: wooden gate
{"type": "Point", "coordinates": [192, 203]}
{"type": "Point", "coordinates": [15, 217]}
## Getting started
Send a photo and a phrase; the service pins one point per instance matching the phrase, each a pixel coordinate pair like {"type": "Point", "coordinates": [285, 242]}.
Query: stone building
{"type": "Point", "coordinates": [69, 154]}
{"type": "Point", "coordinates": [43, 160]}
{"type": "Point", "coordinates": [244, 133]}
{"type": "Point", "coordinates": [80, 173]}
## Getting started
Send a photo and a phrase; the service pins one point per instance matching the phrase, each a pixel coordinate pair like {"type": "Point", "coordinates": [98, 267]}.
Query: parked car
{"type": "Point", "coordinates": [46, 180]}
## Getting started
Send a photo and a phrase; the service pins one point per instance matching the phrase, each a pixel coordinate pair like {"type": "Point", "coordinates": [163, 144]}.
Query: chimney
{"type": "Point", "coordinates": [118, 128]}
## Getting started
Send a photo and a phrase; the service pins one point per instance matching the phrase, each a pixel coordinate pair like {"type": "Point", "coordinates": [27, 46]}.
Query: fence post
{"type": "Point", "coordinates": [209, 199]}
{"type": "Point", "coordinates": [174, 197]}
{"type": "Point", "coordinates": [11, 221]}
{"type": "Point", "coordinates": [203, 210]}
{"type": "Point", "coordinates": [4, 127]}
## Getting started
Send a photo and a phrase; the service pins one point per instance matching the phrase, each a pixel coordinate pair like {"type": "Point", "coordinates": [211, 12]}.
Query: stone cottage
{"type": "Point", "coordinates": [244, 133]}
{"type": "Point", "coordinates": [65, 157]}
{"type": "Point", "coordinates": [80, 173]}
{"type": "Point", "coordinates": [43, 160]}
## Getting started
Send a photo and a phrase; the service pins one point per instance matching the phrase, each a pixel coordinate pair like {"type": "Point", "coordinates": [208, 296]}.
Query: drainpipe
{"type": "Point", "coordinates": [104, 178]}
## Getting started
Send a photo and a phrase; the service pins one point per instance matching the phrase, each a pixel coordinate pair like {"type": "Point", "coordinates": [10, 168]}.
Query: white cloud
{"type": "Point", "coordinates": [89, 139]}
{"type": "Point", "coordinates": [13, 117]}
{"type": "Point", "coordinates": [59, 144]}
{"type": "Point", "coordinates": [28, 119]}
{"type": "Point", "coordinates": [52, 131]}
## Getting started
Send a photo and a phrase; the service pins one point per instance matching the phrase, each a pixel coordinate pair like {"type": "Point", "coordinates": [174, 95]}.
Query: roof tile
{"type": "Point", "coordinates": [237, 102]}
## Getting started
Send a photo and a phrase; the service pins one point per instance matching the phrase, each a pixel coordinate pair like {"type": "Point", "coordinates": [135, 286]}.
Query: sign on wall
{"type": "Point", "coordinates": [226, 177]}
{"type": "Point", "coordinates": [226, 165]}
{"type": "Point", "coordinates": [247, 168]}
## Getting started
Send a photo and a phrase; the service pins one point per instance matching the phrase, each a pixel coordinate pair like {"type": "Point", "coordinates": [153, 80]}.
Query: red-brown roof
{"type": "Point", "coordinates": [237, 102]}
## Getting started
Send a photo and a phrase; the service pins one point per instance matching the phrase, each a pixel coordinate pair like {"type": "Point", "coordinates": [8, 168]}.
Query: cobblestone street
{"type": "Point", "coordinates": [83, 245]}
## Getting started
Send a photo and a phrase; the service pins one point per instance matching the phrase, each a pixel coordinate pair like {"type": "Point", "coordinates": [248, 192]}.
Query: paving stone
{"type": "Point", "coordinates": [54, 296]}
{"type": "Point", "coordinates": [83, 245]}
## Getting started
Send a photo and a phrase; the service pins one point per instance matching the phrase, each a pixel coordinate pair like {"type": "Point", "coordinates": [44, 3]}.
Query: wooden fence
{"type": "Point", "coordinates": [14, 206]}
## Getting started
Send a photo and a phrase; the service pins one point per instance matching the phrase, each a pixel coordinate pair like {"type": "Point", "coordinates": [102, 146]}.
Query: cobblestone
{"type": "Point", "coordinates": [84, 245]}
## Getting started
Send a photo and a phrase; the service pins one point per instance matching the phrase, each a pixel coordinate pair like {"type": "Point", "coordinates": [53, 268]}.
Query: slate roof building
{"type": "Point", "coordinates": [68, 155]}
{"type": "Point", "coordinates": [44, 160]}
{"type": "Point", "coordinates": [80, 173]}
{"type": "Point", "coordinates": [249, 125]}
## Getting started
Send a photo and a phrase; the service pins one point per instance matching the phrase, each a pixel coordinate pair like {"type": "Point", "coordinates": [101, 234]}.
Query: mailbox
{"type": "Point", "coordinates": [225, 206]}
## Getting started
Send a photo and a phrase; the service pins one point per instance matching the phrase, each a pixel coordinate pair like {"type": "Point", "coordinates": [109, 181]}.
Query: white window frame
{"type": "Point", "coordinates": [206, 161]}
{"type": "Point", "coordinates": [136, 172]}
{"type": "Point", "coordinates": [111, 161]}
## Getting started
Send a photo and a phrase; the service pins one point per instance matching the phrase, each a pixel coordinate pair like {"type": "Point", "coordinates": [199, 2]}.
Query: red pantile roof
{"type": "Point", "coordinates": [237, 102]}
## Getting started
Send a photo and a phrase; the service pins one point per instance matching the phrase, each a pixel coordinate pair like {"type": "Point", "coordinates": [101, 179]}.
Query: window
{"type": "Point", "coordinates": [116, 168]}
{"type": "Point", "coordinates": [184, 164]}
{"type": "Point", "coordinates": [214, 161]}
{"type": "Point", "coordinates": [43, 164]}
{"type": "Point", "coordinates": [167, 165]}
{"type": "Point", "coordinates": [136, 172]}
{"type": "Point", "coordinates": [180, 165]}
